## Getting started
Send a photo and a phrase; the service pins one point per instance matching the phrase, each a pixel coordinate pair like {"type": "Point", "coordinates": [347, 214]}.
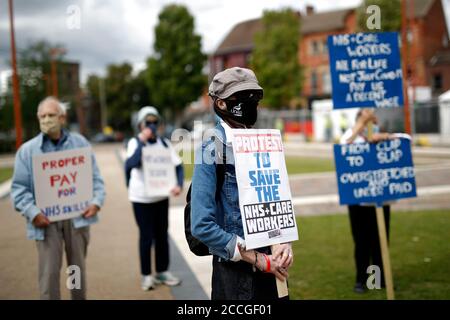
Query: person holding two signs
{"type": "Point", "coordinates": [215, 214]}
{"type": "Point", "coordinates": [51, 237]}
{"type": "Point", "coordinates": [150, 206]}
{"type": "Point", "coordinates": [363, 217]}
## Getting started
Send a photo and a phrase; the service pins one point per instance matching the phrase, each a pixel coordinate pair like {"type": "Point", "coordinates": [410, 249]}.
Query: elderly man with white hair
{"type": "Point", "coordinates": [52, 237]}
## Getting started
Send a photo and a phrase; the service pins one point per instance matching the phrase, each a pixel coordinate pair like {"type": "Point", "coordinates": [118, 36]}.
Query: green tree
{"type": "Point", "coordinates": [139, 90]}
{"type": "Point", "coordinates": [390, 15]}
{"type": "Point", "coordinates": [275, 57]}
{"type": "Point", "coordinates": [34, 74]}
{"type": "Point", "coordinates": [174, 71]}
{"type": "Point", "coordinates": [124, 93]}
{"type": "Point", "coordinates": [93, 87]}
{"type": "Point", "coordinates": [118, 101]}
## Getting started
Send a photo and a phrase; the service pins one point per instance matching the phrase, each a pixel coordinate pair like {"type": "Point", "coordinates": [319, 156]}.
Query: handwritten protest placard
{"type": "Point", "coordinates": [365, 70]}
{"type": "Point", "coordinates": [264, 193]}
{"type": "Point", "coordinates": [159, 170]}
{"type": "Point", "coordinates": [375, 173]}
{"type": "Point", "coordinates": [63, 183]}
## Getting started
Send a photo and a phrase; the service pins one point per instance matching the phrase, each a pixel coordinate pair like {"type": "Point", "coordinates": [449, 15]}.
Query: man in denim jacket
{"type": "Point", "coordinates": [216, 221]}
{"type": "Point", "coordinates": [50, 238]}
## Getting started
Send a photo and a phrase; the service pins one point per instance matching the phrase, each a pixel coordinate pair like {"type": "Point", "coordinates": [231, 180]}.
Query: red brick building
{"type": "Point", "coordinates": [429, 52]}
{"type": "Point", "coordinates": [313, 50]}
{"type": "Point", "coordinates": [236, 48]}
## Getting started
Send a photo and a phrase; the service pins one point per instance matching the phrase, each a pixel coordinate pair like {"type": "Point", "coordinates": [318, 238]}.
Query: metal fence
{"type": "Point", "coordinates": [289, 121]}
{"type": "Point", "coordinates": [426, 117]}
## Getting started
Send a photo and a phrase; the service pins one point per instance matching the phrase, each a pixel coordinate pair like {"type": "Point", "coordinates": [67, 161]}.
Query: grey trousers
{"type": "Point", "coordinates": [59, 235]}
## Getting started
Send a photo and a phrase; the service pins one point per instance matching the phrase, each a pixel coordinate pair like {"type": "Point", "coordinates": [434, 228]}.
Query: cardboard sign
{"type": "Point", "coordinates": [159, 170]}
{"type": "Point", "coordinates": [365, 70]}
{"type": "Point", "coordinates": [375, 173]}
{"type": "Point", "coordinates": [63, 183]}
{"type": "Point", "coordinates": [264, 193]}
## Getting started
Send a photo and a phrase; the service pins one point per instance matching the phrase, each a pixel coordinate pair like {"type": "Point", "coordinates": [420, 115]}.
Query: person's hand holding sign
{"type": "Point", "coordinates": [146, 134]}
{"type": "Point", "coordinates": [283, 253]}
{"type": "Point", "coordinates": [275, 267]}
{"type": "Point", "coordinates": [367, 115]}
{"type": "Point", "coordinates": [41, 221]}
{"type": "Point", "coordinates": [91, 211]}
{"type": "Point", "coordinates": [176, 191]}
{"type": "Point", "coordinates": [377, 137]}
{"type": "Point", "coordinates": [265, 263]}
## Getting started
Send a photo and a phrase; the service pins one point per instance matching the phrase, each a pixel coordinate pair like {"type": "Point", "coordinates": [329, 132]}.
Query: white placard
{"type": "Point", "coordinates": [264, 193]}
{"type": "Point", "coordinates": [159, 170]}
{"type": "Point", "coordinates": [63, 182]}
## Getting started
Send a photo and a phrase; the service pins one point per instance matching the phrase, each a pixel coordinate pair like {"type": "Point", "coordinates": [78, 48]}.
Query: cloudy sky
{"type": "Point", "coordinates": [114, 31]}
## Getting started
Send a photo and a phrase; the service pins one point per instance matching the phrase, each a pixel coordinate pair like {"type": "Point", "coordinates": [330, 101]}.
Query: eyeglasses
{"type": "Point", "coordinates": [147, 123]}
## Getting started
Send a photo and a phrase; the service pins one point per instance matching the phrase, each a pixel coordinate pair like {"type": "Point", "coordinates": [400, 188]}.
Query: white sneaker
{"type": "Point", "coordinates": [147, 283]}
{"type": "Point", "coordinates": [167, 278]}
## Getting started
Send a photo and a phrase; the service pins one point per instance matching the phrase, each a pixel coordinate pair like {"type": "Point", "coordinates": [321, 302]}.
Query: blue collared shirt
{"type": "Point", "coordinates": [22, 188]}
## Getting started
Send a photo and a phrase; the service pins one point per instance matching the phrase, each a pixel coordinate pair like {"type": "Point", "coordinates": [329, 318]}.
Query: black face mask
{"type": "Point", "coordinates": [242, 110]}
{"type": "Point", "coordinates": [152, 125]}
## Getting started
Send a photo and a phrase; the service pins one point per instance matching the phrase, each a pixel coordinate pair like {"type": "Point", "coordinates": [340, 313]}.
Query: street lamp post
{"type": "Point", "coordinates": [15, 80]}
{"type": "Point", "coordinates": [405, 59]}
{"type": "Point", "coordinates": [103, 108]}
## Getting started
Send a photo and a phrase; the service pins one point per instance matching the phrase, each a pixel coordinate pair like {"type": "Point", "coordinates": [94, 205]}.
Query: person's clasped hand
{"type": "Point", "coordinates": [284, 254]}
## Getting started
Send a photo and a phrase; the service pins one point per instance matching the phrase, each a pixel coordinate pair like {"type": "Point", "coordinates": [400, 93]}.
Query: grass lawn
{"type": "Point", "coordinates": [308, 165]}
{"type": "Point", "coordinates": [419, 249]}
{"type": "Point", "coordinates": [5, 174]}
{"type": "Point", "coordinates": [294, 165]}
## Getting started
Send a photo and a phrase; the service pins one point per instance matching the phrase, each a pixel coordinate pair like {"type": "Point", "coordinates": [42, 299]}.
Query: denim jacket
{"type": "Point", "coordinates": [22, 188]}
{"type": "Point", "coordinates": [215, 223]}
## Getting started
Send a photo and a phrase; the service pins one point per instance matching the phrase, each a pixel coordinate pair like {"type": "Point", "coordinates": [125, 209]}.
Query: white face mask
{"type": "Point", "coordinates": [49, 124]}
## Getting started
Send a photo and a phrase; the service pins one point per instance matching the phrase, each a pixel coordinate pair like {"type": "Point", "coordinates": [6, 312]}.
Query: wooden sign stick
{"type": "Point", "coordinates": [382, 234]}
{"type": "Point", "coordinates": [385, 254]}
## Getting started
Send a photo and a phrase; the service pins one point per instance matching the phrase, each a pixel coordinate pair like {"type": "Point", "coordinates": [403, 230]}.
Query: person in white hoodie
{"type": "Point", "coordinates": [151, 212]}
